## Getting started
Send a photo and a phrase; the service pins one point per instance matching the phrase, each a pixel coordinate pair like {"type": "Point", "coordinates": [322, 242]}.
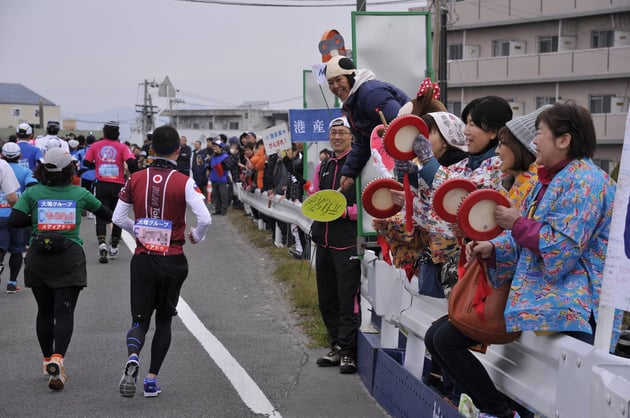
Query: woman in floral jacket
{"type": "Point", "coordinates": [553, 251]}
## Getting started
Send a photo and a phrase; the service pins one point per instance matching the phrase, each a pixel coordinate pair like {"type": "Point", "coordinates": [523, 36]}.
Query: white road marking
{"type": "Point", "coordinates": [245, 386]}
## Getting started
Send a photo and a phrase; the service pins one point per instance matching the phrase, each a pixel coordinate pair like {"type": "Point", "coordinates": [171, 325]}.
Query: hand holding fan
{"type": "Point", "coordinates": [476, 214]}
{"type": "Point", "coordinates": [324, 205]}
{"type": "Point", "coordinates": [448, 197]}
{"type": "Point", "coordinates": [398, 142]}
{"type": "Point", "coordinates": [377, 200]}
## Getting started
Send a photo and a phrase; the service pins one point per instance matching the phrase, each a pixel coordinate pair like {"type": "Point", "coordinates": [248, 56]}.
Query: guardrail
{"type": "Point", "coordinates": [553, 376]}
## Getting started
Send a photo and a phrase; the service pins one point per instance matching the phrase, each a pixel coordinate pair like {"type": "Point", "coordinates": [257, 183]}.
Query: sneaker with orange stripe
{"type": "Point", "coordinates": [56, 371]}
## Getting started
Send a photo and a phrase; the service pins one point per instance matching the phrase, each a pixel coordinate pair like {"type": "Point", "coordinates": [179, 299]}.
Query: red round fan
{"type": "Point", "coordinates": [449, 196]}
{"type": "Point", "coordinates": [476, 214]}
{"type": "Point", "coordinates": [401, 133]}
{"type": "Point", "coordinates": [377, 200]}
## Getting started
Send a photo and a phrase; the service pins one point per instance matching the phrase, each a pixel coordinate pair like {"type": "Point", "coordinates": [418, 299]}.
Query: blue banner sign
{"type": "Point", "coordinates": [311, 125]}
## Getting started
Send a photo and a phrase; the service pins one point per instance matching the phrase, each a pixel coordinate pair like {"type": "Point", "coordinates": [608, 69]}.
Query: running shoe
{"type": "Point", "coordinates": [348, 365]}
{"type": "Point", "coordinates": [151, 387]}
{"type": "Point", "coordinates": [45, 365]}
{"type": "Point", "coordinates": [56, 371]}
{"type": "Point", "coordinates": [331, 359]}
{"type": "Point", "coordinates": [12, 287]}
{"type": "Point", "coordinates": [129, 378]}
{"type": "Point", "coordinates": [102, 253]}
{"type": "Point", "coordinates": [113, 252]}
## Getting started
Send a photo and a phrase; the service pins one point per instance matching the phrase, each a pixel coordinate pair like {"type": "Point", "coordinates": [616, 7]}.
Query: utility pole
{"type": "Point", "coordinates": [146, 109]}
{"type": "Point", "coordinates": [41, 113]}
{"type": "Point", "coordinates": [440, 18]}
{"type": "Point", "coordinates": [443, 52]}
{"type": "Point", "coordinates": [361, 5]}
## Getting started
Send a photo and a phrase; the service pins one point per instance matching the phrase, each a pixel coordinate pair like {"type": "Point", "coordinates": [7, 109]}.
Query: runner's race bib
{"type": "Point", "coordinates": [154, 234]}
{"type": "Point", "coordinates": [56, 215]}
{"type": "Point", "coordinates": [108, 171]}
{"type": "Point", "coordinates": [4, 203]}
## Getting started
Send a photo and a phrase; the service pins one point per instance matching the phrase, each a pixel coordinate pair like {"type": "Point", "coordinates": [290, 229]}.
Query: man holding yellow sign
{"type": "Point", "coordinates": [334, 230]}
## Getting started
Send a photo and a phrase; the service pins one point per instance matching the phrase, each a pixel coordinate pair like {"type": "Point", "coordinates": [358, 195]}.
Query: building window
{"type": "Point", "coordinates": [210, 125]}
{"type": "Point", "coordinates": [234, 126]}
{"type": "Point", "coordinates": [16, 112]}
{"type": "Point", "coordinates": [602, 38]}
{"type": "Point", "coordinates": [542, 100]}
{"type": "Point", "coordinates": [454, 107]}
{"type": "Point", "coordinates": [36, 112]}
{"type": "Point", "coordinates": [195, 125]}
{"type": "Point", "coordinates": [599, 104]}
{"type": "Point", "coordinates": [547, 43]}
{"type": "Point", "coordinates": [455, 52]}
{"type": "Point", "coordinates": [500, 48]}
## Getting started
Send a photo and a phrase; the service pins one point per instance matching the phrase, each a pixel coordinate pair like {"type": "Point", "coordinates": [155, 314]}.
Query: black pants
{"type": "Point", "coordinates": [338, 287]}
{"type": "Point", "coordinates": [449, 349]}
{"type": "Point", "coordinates": [107, 193]}
{"type": "Point", "coordinates": [156, 283]}
{"type": "Point", "coordinates": [220, 199]}
{"type": "Point", "coordinates": [55, 317]}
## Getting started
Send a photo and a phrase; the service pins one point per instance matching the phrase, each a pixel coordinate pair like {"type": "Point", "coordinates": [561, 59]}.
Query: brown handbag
{"type": "Point", "coordinates": [476, 308]}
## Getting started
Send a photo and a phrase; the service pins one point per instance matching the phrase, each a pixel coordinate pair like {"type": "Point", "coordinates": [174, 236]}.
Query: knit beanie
{"type": "Point", "coordinates": [524, 128]}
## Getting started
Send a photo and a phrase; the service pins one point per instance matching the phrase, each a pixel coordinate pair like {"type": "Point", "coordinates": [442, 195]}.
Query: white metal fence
{"type": "Point", "coordinates": [554, 376]}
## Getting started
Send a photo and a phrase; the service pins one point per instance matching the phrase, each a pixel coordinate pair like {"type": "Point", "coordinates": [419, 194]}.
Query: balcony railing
{"type": "Point", "coordinates": [481, 13]}
{"type": "Point", "coordinates": [585, 64]}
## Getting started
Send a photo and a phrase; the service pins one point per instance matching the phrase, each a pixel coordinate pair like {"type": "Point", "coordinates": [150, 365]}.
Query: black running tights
{"type": "Point", "coordinates": [55, 317]}
{"type": "Point", "coordinates": [161, 339]}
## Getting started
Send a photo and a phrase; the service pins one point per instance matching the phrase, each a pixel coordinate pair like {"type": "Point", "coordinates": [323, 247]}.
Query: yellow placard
{"type": "Point", "coordinates": [324, 206]}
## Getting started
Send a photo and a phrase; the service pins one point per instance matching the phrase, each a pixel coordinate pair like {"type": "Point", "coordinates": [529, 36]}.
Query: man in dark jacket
{"type": "Point", "coordinates": [363, 98]}
{"type": "Point", "coordinates": [337, 268]}
{"type": "Point", "coordinates": [295, 192]}
{"type": "Point", "coordinates": [183, 159]}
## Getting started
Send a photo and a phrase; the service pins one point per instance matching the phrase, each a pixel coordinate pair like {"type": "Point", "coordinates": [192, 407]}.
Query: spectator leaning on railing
{"type": "Point", "coordinates": [553, 251]}
{"type": "Point", "coordinates": [337, 268]}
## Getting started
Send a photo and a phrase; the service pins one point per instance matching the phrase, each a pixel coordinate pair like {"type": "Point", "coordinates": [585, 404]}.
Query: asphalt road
{"type": "Point", "coordinates": [231, 291]}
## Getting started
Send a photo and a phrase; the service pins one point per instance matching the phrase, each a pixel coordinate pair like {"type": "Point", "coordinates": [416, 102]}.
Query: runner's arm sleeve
{"type": "Point", "coordinates": [121, 216]}
{"type": "Point", "coordinates": [195, 200]}
{"type": "Point", "coordinates": [19, 219]}
{"type": "Point", "coordinates": [132, 164]}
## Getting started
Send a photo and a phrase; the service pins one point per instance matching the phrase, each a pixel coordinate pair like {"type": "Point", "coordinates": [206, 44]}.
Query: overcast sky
{"type": "Point", "coordinates": [90, 56]}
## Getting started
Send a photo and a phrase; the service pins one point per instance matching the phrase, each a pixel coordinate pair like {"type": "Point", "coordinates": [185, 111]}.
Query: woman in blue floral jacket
{"type": "Point", "coordinates": [554, 250]}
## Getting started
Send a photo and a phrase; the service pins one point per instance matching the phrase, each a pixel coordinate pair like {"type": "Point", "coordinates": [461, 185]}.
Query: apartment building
{"type": "Point", "coordinates": [250, 116]}
{"type": "Point", "coordinates": [534, 52]}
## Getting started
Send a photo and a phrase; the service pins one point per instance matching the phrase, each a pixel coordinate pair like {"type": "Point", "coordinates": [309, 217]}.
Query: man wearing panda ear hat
{"type": "Point", "coordinates": [363, 97]}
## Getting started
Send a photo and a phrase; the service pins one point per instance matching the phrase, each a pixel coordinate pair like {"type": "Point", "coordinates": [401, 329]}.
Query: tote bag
{"type": "Point", "coordinates": [476, 309]}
